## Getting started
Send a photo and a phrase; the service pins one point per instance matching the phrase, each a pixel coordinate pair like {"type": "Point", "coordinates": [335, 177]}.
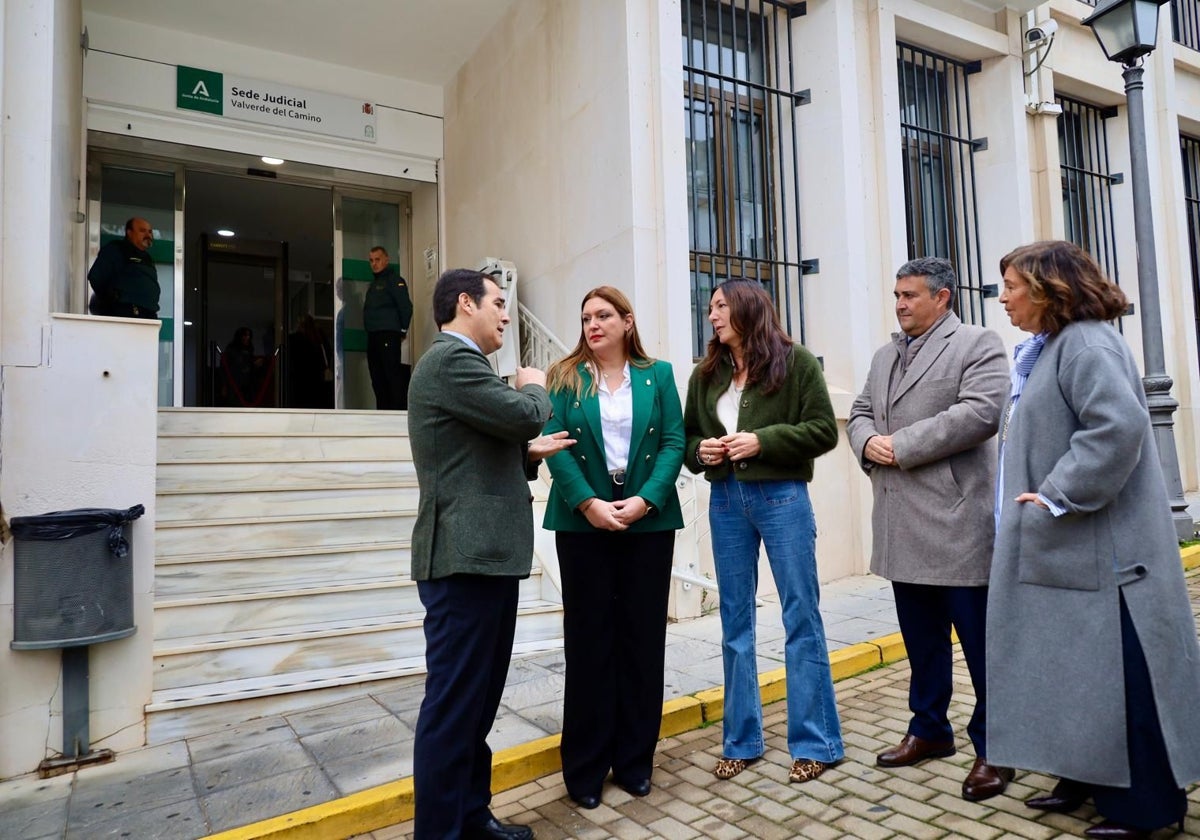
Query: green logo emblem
{"type": "Point", "coordinates": [199, 90]}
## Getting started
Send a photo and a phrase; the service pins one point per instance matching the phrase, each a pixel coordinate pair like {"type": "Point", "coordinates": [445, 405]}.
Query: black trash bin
{"type": "Point", "coordinates": [73, 577]}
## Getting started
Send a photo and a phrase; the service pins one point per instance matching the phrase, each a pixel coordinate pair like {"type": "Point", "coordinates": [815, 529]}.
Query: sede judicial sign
{"type": "Point", "coordinates": [270, 103]}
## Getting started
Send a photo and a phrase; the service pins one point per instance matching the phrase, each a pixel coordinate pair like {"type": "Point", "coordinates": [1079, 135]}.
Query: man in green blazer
{"type": "Point", "coordinates": [471, 545]}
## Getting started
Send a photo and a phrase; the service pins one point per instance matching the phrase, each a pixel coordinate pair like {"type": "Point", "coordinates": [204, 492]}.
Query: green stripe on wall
{"type": "Point", "coordinates": [354, 341]}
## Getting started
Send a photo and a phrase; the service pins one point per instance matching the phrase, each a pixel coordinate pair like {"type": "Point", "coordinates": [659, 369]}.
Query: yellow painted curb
{"type": "Point", "coordinates": [891, 648]}
{"type": "Point", "coordinates": [682, 714]}
{"type": "Point", "coordinates": [853, 660]}
{"type": "Point", "coordinates": [1190, 557]}
{"type": "Point", "coordinates": [517, 765]}
{"type": "Point", "coordinates": [772, 685]}
{"type": "Point", "coordinates": [712, 701]}
{"type": "Point", "coordinates": [357, 813]}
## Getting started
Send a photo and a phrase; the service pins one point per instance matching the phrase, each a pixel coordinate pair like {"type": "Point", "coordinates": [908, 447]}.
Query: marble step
{"type": "Point", "coordinates": [234, 536]}
{"type": "Point", "coordinates": [217, 476]}
{"type": "Point", "coordinates": [250, 502]}
{"type": "Point", "coordinates": [181, 577]}
{"type": "Point", "coordinates": [193, 421]}
{"type": "Point", "coordinates": [240, 614]}
{"type": "Point", "coordinates": [195, 710]}
{"type": "Point", "coordinates": [282, 448]}
{"type": "Point", "coordinates": [200, 661]}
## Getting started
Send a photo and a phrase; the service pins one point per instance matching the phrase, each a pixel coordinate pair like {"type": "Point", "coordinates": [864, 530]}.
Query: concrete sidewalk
{"type": "Point", "coordinates": [276, 765]}
{"type": "Point", "coordinates": [854, 799]}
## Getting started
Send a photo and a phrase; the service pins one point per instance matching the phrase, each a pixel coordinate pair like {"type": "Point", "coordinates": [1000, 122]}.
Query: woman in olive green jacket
{"type": "Point", "coordinates": [615, 511]}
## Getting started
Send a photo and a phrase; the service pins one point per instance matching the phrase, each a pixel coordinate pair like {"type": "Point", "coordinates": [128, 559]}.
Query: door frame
{"type": "Point", "coordinates": [97, 159]}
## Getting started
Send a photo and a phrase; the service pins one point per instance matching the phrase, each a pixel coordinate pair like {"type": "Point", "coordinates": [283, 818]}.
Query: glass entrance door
{"type": "Point", "coordinates": [363, 222]}
{"type": "Point", "coordinates": [118, 192]}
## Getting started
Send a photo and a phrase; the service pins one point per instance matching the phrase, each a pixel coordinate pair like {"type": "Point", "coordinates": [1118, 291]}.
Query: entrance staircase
{"type": "Point", "coordinates": [282, 564]}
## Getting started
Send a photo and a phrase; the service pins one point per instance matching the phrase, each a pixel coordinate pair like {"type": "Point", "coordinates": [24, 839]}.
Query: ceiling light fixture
{"type": "Point", "coordinates": [225, 232]}
{"type": "Point", "coordinates": [272, 161]}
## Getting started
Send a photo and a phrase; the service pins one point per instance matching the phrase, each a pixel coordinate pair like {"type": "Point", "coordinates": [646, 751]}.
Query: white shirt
{"type": "Point", "coordinates": [728, 406]}
{"type": "Point", "coordinates": [616, 420]}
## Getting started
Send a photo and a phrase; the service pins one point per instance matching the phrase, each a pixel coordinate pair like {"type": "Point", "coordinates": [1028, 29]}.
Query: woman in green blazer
{"type": "Point", "coordinates": [615, 511]}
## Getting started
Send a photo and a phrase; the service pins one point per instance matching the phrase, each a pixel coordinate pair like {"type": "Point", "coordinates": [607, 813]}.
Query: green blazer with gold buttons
{"type": "Point", "coordinates": [655, 451]}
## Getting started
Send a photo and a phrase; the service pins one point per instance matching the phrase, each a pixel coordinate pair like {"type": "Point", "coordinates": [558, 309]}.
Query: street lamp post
{"type": "Point", "coordinates": [1127, 30]}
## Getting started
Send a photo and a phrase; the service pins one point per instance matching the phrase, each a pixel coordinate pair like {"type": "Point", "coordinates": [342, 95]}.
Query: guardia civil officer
{"type": "Point", "coordinates": [387, 312]}
{"type": "Point", "coordinates": [123, 277]}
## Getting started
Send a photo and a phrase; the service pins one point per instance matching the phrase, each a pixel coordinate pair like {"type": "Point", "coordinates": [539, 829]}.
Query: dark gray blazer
{"type": "Point", "coordinates": [468, 431]}
{"type": "Point", "coordinates": [1080, 435]}
{"type": "Point", "coordinates": [932, 520]}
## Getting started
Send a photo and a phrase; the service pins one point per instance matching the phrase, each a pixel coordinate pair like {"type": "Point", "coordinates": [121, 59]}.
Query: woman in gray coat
{"type": "Point", "coordinates": [1093, 665]}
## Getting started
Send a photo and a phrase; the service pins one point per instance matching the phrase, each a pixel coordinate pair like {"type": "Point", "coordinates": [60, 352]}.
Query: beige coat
{"type": "Point", "coordinates": [933, 516]}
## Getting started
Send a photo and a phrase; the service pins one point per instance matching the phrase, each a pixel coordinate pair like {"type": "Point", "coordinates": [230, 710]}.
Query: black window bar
{"type": "Point", "coordinates": [740, 103]}
{"type": "Point", "coordinates": [1087, 180]}
{"type": "Point", "coordinates": [1185, 23]}
{"type": "Point", "coordinates": [1190, 149]}
{"type": "Point", "coordinates": [937, 151]}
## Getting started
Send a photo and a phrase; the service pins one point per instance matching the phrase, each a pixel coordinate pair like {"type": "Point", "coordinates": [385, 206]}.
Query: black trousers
{"type": "Point", "coordinates": [389, 375]}
{"type": "Point", "coordinates": [615, 587]}
{"type": "Point", "coordinates": [469, 626]}
{"type": "Point", "coordinates": [925, 614]}
{"type": "Point", "coordinates": [1153, 799]}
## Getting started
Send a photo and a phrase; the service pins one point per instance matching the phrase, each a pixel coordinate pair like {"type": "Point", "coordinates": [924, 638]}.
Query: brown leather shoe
{"type": "Point", "coordinates": [985, 781]}
{"type": "Point", "coordinates": [912, 750]}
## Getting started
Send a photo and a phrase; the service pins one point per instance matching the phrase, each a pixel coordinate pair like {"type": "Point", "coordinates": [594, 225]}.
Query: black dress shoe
{"type": "Point", "coordinates": [493, 829]}
{"type": "Point", "coordinates": [985, 781]}
{"type": "Point", "coordinates": [1066, 797]}
{"type": "Point", "coordinates": [912, 750]}
{"type": "Point", "coordinates": [1109, 830]}
{"type": "Point", "coordinates": [636, 787]}
{"type": "Point", "coordinates": [586, 801]}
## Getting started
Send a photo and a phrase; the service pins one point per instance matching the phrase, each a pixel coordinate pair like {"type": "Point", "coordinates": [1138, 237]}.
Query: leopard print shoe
{"type": "Point", "coordinates": [727, 768]}
{"type": "Point", "coordinates": [806, 769]}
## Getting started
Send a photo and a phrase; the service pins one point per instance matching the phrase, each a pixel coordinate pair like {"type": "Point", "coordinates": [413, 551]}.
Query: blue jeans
{"type": "Point", "coordinates": [778, 514]}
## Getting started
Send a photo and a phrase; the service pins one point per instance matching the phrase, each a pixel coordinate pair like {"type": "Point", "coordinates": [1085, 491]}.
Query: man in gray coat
{"type": "Point", "coordinates": [921, 429]}
{"type": "Point", "coordinates": [471, 545]}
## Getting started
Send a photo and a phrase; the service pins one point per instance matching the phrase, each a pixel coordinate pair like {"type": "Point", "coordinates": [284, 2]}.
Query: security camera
{"type": "Point", "coordinates": [1040, 32]}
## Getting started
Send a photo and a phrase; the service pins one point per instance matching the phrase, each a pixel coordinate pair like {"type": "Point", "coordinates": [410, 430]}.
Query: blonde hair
{"type": "Point", "coordinates": [564, 374]}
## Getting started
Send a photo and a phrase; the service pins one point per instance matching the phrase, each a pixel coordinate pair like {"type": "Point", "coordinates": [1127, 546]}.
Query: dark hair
{"type": "Point", "coordinates": [565, 372]}
{"type": "Point", "coordinates": [766, 347]}
{"type": "Point", "coordinates": [937, 271]}
{"type": "Point", "coordinates": [450, 285]}
{"type": "Point", "coordinates": [129, 223]}
{"type": "Point", "coordinates": [380, 249]}
{"type": "Point", "coordinates": [1065, 283]}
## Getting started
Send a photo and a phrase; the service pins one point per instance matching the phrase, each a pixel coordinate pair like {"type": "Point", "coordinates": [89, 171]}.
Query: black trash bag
{"type": "Point", "coordinates": [67, 524]}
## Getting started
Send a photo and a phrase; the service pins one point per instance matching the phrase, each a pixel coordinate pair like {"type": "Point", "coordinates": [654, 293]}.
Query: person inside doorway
{"type": "Point", "coordinates": [241, 372]}
{"type": "Point", "coordinates": [387, 312]}
{"type": "Point", "coordinates": [309, 367]}
{"type": "Point", "coordinates": [123, 278]}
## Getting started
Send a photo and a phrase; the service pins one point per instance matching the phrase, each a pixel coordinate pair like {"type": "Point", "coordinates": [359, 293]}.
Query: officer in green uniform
{"type": "Point", "coordinates": [387, 312]}
{"type": "Point", "coordinates": [123, 277]}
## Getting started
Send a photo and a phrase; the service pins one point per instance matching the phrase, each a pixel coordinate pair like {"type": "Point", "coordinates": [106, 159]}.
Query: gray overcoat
{"type": "Point", "coordinates": [1080, 435]}
{"type": "Point", "coordinates": [468, 432]}
{"type": "Point", "coordinates": [933, 517]}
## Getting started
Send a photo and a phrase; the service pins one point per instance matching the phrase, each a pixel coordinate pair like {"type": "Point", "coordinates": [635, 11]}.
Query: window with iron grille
{"type": "Point", "coordinates": [740, 126]}
{"type": "Point", "coordinates": [1190, 149]}
{"type": "Point", "coordinates": [1185, 22]}
{"type": "Point", "coordinates": [937, 151]}
{"type": "Point", "coordinates": [1087, 180]}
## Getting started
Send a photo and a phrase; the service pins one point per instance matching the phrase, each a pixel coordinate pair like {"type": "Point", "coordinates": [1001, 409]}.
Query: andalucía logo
{"type": "Point", "coordinates": [199, 90]}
